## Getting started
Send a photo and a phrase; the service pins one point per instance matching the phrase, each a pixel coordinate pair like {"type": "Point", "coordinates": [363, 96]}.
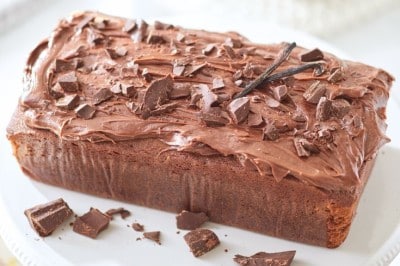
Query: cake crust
{"type": "Point", "coordinates": [149, 114]}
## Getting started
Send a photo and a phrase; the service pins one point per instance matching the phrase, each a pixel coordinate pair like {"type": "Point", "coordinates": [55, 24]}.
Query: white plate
{"type": "Point", "coordinates": [374, 238]}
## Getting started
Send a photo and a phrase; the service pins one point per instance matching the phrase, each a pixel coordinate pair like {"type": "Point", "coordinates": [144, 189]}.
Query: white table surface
{"type": "Point", "coordinates": [375, 42]}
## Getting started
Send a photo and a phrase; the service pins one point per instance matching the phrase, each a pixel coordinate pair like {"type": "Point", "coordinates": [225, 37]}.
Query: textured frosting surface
{"type": "Point", "coordinates": [101, 78]}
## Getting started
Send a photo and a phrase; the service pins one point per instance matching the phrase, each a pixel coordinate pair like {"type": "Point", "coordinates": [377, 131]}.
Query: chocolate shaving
{"type": "Point", "coordinates": [218, 83]}
{"type": "Point", "coordinates": [165, 108]}
{"type": "Point", "coordinates": [209, 98]}
{"type": "Point", "coordinates": [201, 241]}
{"type": "Point", "coordinates": [323, 109]}
{"type": "Point", "coordinates": [214, 117]}
{"type": "Point", "coordinates": [45, 218]}
{"type": "Point", "coordinates": [266, 259]}
{"type": "Point", "coordinates": [85, 111]}
{"type": "Point", "coordinates": [239, 109]}
{"type": "Point", "coordinates": [129, 26]}
{"type": "Point", "coordinates": [336, 76]}
{"type": "Point", "coordinates": [193, 69]}
{"type": "Point", "coordinates": [92, 223]}
{"type": "Point", "coordinates": [208, 49]}
{"type": "Point", "coordinates": [229, 51]}
{"type": "Point", "coordinates": [102, 95]}
{"type": "Point", "coordinates": [190, 220]}
{"type": "Point", "coordinates": [270, 132]}
{"type": "Point", "coordinates": [118, 52]}
{"type": "Point", "coordinates": [133, 107]}
{"type": "Point", "coordinates": [304, 148]}
{"type": "Point", "coordinates": [178, 70]}
{"type": "Point", "coordinates": [157, 93]}
{"type": "Point", "coordinates": [68, 102]}
{"type": "Point", "coordinates": [138, 227]}
{"type": "Point", "coordinates": [180, 90]}
{"type": "Point", "coordinates": [121, 211]}
{"type": "Point", "coordinates": [140, 31]}
{"type": "Point", "coordinates": [313, 55]}
{"type": "Point", "coordinates": [280, 92]}
{"type": "Point", "coordinates": [154, 236]}
{"type": "Point", "coordinates": [314, 92]}
{"type": "Point", "coordinates": [69, 82]}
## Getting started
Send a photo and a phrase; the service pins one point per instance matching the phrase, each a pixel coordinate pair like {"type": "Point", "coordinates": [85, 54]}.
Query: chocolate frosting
{"type": "Point", "coordinates": [104, 52]}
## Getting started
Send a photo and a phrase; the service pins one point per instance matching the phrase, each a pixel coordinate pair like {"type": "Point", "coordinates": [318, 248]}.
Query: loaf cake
{"type": "Point", "coordinates": [276, 139]}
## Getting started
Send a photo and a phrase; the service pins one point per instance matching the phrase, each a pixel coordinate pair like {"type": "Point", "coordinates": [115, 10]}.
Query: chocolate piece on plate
{"type": "Point", "coordinates": [91, 223]}
{"type": "Point", "coordinates": [266, 259]}
{"type": "Point", "coordinates": [201, 241]}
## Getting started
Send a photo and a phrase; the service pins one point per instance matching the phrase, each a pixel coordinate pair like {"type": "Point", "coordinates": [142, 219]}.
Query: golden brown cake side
{"type": "Point", "coordinates": [152, 115]}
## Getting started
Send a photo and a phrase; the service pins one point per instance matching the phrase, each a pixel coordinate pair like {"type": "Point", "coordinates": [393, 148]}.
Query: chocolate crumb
{"type": "Point", "coordinates": [178, 232]}
{"type": "Point", "coordinates": [201, 241]}
{"type": "Point", "coordinates": [218, 83]}
{"type": "Point", "coordinates": [239, 109]}
{"type": "Point", "coordinates": [102, 95]}
{"type": "Point", "coordinates": [85, 111]}
{"type": "Point", "coordinates": [69, 82]}
{"type": "Point", "coordinates": [154, 236]}
{"type": "Point", "coordinates": [190, 220]}
{"type": "Point", "coordinates": [312, 55]}
{"type": "Point", "coordinates": [121, 211]}
{"type": "Point", "coordinates": [45, 218]}
{"type": "Point", "coordinates": [68, 102]}
{"type": "Point", "coordinates": [266, 259]}
{"type": "Point", "coordinates": [225, 250]}
{"type": "Point", "coordinates": [138, 227]}
{"type": "Point", "coordinates": [314, 92]}
{"type": "Point", "coordinates": [138, 239]}
{"type": "Point", "coordinates": [91, 223]}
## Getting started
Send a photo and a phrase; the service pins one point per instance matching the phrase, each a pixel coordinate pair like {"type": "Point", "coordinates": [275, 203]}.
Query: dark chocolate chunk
{"type": "Point", "coordinates": [229, 51]}
{"type": "Point", "coordinates": [340, 107]}
{"type": "Point", "coordinates": [312, 55]}
{"type": "Point", "coordinates": [254, 120]}
{"type": "Point", "coordinates": [65, 65]}
{"type": "Point", "coordinates": [193, 69]}
{"type": "Point", "coordinates": [130, 71]}
{"type": "Point", "coordinates": [180, 90]}
{"type": "Point", "coordinates": [218, 83]}
{"type": "Point", "coordinates": [133, 107]}
{"type": "Point", "coordinates": [304, 148]}
{"type": "Point", "coordinates": [266, 259]}
{"type": "Point", "coordinates": [69, 82]}
{"type": "Point", "coordinates": [209, 98]}
{"type": "Point", "coordinates": [323, 109]}
{"type": "Point", "coordinates": [138, 227]}
{"type": "Point", "coordinates": [116, 53]}
{"type": "Point", "coordinates": [146, 74]}
{"type": "Point", "coordinates": [154, 38]}
{"type": "Point", "coordinates": [140, 31]}
{"type": "Point", "coordinates": [201, 241]}
{"type": "Point", "coordinates": [208, 49]}
{"type": "Point", "coordinates": [239, 109]}
{"type": "Point", "coordinates": [154, 236]}
{"type": "Point", "coordinates": [91, 223]}
{"type": "Point", "coordinates": [68, 102]}
{"type": "Point", "coordinates": [214, 117]}
{"type": "Point", "coordinates": [180, 37]}
{"type": "Point", "coordinates": [102, 95]}
{"type": "Point", "coordinates": [128, 90]}
{"type": "Point", "coordinates": [178, 70]}
{"type": "Point", "coordinates": [314, 92]}
{"type": "Point", "coordinates": [190, 220]}
{"type": "Point", "coordinates": [270, 132]}
{"type": "Point", "coordinates": [121, 211]}
{"type": "Point", "coordinates": [233, 43]}
{"type": "Point", "coordinates": [299, 116]}
{"type": "Point", "coordinates": [129, 25]}
{"type": "Point", "coordinates": [45, 218]}
{"type": "Point", "coordinates": [336, 76]}
{"type": "Point", "coordinates": [56, 91]}
{"type": "Point", "coordinates": [85, 111]}
{"type": "Point", "coordinates": [157, 93]}
{"type": "Point", "coordinates": [280, 92]}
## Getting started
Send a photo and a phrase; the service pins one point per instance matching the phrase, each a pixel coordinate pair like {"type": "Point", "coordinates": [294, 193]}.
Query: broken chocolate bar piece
{"type": "Point", "coordinates": [313, 55]}
{"type": "Point", "coordinates": [101, 96]}
{"type": "Point", "coordinates": [91, 223]}
{"type": "Point", "coordinates": [190, 220]}
{"type": "Point", "coordinates": [85, 111]}
{"type": "Point", "coordinates": [239, 109]}
{"type": "Point", "coordinates": [266, 259]}
{"type": "Point", "coordinates": [69, 82]}
{"type": "Point", "coordinates": [154, 236]}
{"type": "Point", "coordinates": [138, 227]}
{"type": "Point", "coordinates": [201, 241]}
{"type": "Point", "coordinates": [124, 213]}
{"type": "Point", "coordinates": [45, 218]}
{"type": "Point", "coordinates": [68, 102]}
